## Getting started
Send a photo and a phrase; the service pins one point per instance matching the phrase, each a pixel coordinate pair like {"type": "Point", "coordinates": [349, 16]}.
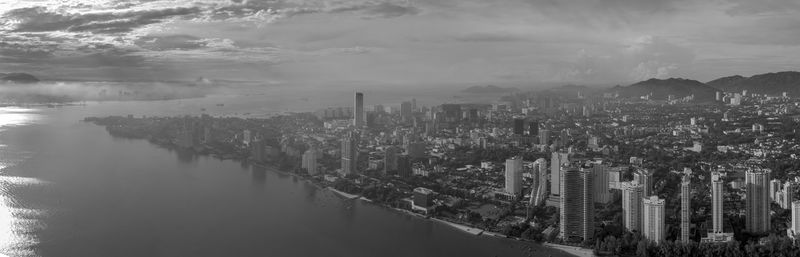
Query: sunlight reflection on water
{"type": "Point", "coordinates": [17, 222]}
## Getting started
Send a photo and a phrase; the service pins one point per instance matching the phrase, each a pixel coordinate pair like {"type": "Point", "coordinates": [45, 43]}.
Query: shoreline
{"type": "Point", "coordinates": [571, 250]}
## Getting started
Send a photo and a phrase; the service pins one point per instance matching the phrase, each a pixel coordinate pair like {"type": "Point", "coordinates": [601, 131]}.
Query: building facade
{"type": "Point", "coordinates": [653, 219]}
{"type": "Point", "coordinates": [757, 202]}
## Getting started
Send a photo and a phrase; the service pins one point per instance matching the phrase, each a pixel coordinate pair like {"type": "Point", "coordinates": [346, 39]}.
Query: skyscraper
{"type": "Point", "coordinates": [576, 205]}
{"type": "Point", "coordinates": [653, 223]}
{"type": "Point", "coordinates": [349, 154]}
{"type": "Point", "coordinates": [789, 189]}
{"type": "Point", "coordinates": [309, 161]}
{"type": "Point", "coordinates": [404, 166]}
{"type": "Point", "coordinates": [794, 230]}
{"type": "Point", "coordinates": [632, 205]}
{"type": "Point", "coordinates": [556, 161]}
{"type": "Point", "coordinates": [390, 160]}
{"type": "Point", "coordinates": [358, 110]}
{"type": "Point", "coordinates": [757, 201]}
{"type": "Point", "coordinates": [540, 168]}
{"type": "Point", "coordinates": [519, 126]}
{"type": "Point", "coordinates": [533, 128]}
{"type": "Point", "coordinates": [645, 178]}
{"type": "Point", "coordinates": [600, 175]}
{"type": "Point", "coordinates": [405, 111]}
{"type": "Point", "coordinates": [514, 176]}
{"type": "Point", "coordinates": [686, 215]}
{"type": "Point", "coordinates": [774, 187]}
{"type": "Point", "coordinates": [716, 202]}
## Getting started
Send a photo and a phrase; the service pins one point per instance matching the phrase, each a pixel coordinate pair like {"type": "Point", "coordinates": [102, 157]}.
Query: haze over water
{"type": "Point", "coordinates": [71, 189]}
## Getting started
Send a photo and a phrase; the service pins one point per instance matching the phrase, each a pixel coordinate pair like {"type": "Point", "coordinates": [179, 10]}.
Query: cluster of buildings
{"type": "Point", "coordinates": [530, 157]}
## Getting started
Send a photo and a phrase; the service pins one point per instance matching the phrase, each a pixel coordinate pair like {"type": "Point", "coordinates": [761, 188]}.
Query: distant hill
{"type": "Point", "coordinates": [768, 83]}
{"type": "Point", "coordinates": [490, 89]}
{"type": "Point", "coordinates": [18, 78]}
{"type": "Point", "coordinates": [661, 88]}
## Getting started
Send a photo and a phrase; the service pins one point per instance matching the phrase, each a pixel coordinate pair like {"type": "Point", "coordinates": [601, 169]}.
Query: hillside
{"type": "Point", "coordinates": [661, 88]}
{"type": "Point", "coordinates": [490, 89]}
{"type": "Point", "coordinates": [18, 78]}
{"type": "Point", "coordinates": [768, 83]}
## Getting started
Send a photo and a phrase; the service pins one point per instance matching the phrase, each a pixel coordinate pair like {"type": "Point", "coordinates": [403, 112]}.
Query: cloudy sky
{"type": "Point", "coordinates": [399, 41]}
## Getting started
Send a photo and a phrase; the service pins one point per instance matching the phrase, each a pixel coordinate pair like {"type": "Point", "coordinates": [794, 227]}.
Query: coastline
{"type": "Point", "coordinates": [572, 250]}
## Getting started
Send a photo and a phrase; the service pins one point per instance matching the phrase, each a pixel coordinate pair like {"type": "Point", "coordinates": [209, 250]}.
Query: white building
{"type": "Point", "coordinates": [653, 219]}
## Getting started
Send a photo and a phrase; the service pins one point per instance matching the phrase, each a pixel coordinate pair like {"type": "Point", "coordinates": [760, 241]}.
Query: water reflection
{"type": "Point", "coordinates": [17, 221]}
{"type": "Point", "coordinates": [259, 175]}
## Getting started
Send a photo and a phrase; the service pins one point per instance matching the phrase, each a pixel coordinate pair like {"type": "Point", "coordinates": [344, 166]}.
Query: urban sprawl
{"type": "Point", "coordinates": [614, 176]}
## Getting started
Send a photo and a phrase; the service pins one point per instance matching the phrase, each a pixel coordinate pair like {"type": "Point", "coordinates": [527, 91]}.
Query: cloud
{"type": "Point", "coordinates": [749, 7]}
{"type": "Point", "coordinates": [490, 37]}
{"type": "Point", "coordinates": [40, 19]}
{"type": "Point", "coordinates": [637, 59]}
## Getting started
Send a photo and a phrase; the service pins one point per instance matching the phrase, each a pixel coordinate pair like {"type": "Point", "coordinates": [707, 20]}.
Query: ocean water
{"type": "Point", "coordinates": [68, 188]}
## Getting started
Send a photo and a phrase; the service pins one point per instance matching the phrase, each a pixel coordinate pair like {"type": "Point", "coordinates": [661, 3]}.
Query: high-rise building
{"type": "Point", "coordinates": [757, 201]}
{"type": "Point", "coordinates": [632, 205]}
{"type": "Point", "coordinates": [789, 190]}
{"type": "Point", "coordinates": [349, 154]}
{"type": "Point", "coordinates": [645, 178]}
{"type": "Point", "coordinates": [576, 206]}
{"type": "Point", "coordinates": [519, 126]}
{"type": "Point", "coordinates": [544, 136]}
{"type": "Point", "coordinates": [405, 111]}
{"type": "Point", "coordinates": [600, 178]}
{"type": "Point", "coordinates": [404, 166]}
{"type": "Point", "coordinates": [390, 160]}
{"type": "Point", "coordinates": [653, 219]}
{"type": "Point", "coordinates": [423, 197]}
{"type": "Point", "coordinates": [514, 176]}
{"type": "Point", "coordinates": [533, 128]}
{"type": "Point", "coordinates": [774, 187]}
{"type": "Point", "coordinates": [557, 159]}
{"type": "Point", "coordinates": [716, 202]}
{"type": "Point", "coordinates": [794, 230]}
{"type": "Point", "coordinates": [686, 211]}
{"type": "Point", "coordinates": [358, 110]}
{"type": "Point", "coordinates": [309, 161]}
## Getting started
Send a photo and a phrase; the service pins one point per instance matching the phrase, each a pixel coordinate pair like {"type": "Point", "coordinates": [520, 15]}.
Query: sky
{"type": "Point", "coordinates": [399, 42]}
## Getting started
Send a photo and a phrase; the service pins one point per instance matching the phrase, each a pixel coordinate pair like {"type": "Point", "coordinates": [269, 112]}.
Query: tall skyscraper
{"type": "Point", "coordinates": [632, 205]}
{"type": "Point", "coordinates": [556, 161]}
{"type": "Point", "coordinates": [349, 154]}
{"type": "Point", "coordinates": [576, 205]}
{"type": "Point", "coordinates": [789, 189]}
{"type": "Point", "coordinates": [600, 178]}
{"type": "Point", "coordinates": [540, 168]}
{"type": "Point", "coordinates": [390, 160]}
{"type": "Point", "coordinates": [716, 202]}
{"type": "Point", "coordinates": [757, 200]}
{"type": "Point", "coordinates": [514, 176]}
{"type": "Point", "coordinates": [406, 111]}
{"type": "Point", "coordinates": [533, 128]}
{"type": "Point", "coordinates": [686, 214]}
{"type": "Point", "coordinates": [358, 110]}
{"type": "Point", "coordinates": [519, 126]}
{"type": "Point", "coordinates": [404, 169]}
{"type": "Point", "coordinates": [645, 178]}
{"type": "Point", "coordinates": [774, 187]}
{"type": "Point", "coordinates": [653, 223]}
{"type": "Point", "coordinates": [794, 230]}
{"type": "Point", "coordinates": [309, 161]}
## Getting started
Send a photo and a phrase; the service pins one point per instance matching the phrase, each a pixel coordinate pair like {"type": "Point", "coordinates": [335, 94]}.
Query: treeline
{"type": "Point", "coordinates": [634, 245]}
